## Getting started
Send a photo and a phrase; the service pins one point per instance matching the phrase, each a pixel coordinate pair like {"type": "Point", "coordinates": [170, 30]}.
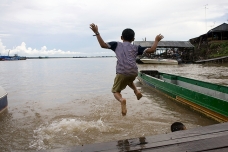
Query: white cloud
{"type": "Point", "coordinates": [2, 47]}
{"type": "Point", "coordinates": [29, 52]}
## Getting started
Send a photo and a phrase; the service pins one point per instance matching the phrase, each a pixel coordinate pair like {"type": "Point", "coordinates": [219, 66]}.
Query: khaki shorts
{"type": "Point", "coordinates": [121, 81]}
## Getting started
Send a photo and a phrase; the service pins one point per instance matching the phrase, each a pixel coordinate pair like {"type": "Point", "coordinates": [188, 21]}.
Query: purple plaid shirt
{"type": "Point", "coordinates": [126, 54]}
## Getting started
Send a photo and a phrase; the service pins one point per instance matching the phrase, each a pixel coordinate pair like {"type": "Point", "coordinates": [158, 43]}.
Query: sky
{"type": "Point", "coordinates": [60, 28]}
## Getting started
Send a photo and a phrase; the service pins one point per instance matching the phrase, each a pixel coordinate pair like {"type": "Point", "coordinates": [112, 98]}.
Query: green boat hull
{"type": "Point", "coordinates": [207, 98]}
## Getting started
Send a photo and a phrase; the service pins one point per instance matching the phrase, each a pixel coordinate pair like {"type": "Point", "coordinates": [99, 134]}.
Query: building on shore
{"type": "Point", "coordinates": [219, 33]}
{"type": "Point", "coordinates": [211, 46]}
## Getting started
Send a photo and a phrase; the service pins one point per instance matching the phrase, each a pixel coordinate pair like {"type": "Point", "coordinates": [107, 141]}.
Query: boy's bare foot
{"type": "Point", "coordinates": [123, 107]}
{"type": "Point", "coordinates": [138, 95]}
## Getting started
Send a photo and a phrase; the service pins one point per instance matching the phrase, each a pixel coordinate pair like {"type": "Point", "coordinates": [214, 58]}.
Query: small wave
{"type": "Point", "coordinates": [72, 131]}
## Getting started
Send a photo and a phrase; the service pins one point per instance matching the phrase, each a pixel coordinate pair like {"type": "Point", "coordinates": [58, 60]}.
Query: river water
{"type": "Point", "coordinates": [55, 103]}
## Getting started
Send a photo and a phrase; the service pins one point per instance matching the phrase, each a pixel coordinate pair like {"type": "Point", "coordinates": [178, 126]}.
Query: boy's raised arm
{"type": "Point", "coordinates": [154, 46]}
{"type": "Point", "coordinates": [94, 28]}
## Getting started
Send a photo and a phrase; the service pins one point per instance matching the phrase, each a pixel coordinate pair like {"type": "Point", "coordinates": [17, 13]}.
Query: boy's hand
{"type": "Point", "coordinates": [154, 46]}
{"type": "Point", "coordinates": [159, 37]}
{"type": "Point", "coordinates": [94, 28]}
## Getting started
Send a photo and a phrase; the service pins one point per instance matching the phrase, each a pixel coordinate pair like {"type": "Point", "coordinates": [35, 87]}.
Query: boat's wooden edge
{"type": "Point", "coordinates": [218, 117]}
{"type": "Point", "coordinates": [4, 95]}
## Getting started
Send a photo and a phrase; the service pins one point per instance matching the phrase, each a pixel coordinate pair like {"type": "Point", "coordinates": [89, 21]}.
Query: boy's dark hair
{"type": "Point", "coordinates": [176, 126]}
{"type": "Point", "coordinates": [128, 34]}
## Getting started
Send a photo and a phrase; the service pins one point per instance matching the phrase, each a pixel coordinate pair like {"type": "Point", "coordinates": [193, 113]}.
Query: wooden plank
{"type": "Point", "coordinates": [191, 133]}
{"type": "Point", "coordinates": [213, 59]}
{"type": "Point", "coordinates": [215, 143]}
{"type": "Point", "coordinates": [218, 150]}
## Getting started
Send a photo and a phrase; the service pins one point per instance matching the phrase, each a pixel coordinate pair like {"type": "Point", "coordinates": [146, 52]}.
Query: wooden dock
{"type": "Point", "coordinates": [212, 138]}
{"type": "Point", "coordinates": [215, 60]}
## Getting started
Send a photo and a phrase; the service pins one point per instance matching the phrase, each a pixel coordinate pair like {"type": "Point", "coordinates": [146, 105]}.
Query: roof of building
{"type": "Point", "coordinates": [220, 28]}
{"type": "Point", "coordinates": [166, 44]}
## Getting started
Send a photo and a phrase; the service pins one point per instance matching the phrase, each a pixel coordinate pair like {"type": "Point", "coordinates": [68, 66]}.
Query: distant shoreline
{"type": "Point", "coordinates": [68, 57]}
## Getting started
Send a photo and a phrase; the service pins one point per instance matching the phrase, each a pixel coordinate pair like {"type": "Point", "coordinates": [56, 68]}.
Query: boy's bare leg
{"type": "Point", "coordinates": [136, 91]}
{"type": "Point", "coordinates": [118, 97]}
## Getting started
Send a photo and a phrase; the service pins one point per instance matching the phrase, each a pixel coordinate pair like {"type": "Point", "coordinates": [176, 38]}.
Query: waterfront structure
{"type": "Point", "coordinates": [178, 50]}
{"type": "Point", "coordinates": [219, 33]}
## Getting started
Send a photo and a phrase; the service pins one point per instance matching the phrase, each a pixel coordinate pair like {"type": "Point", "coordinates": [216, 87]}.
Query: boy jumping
{"type": "Point", "coordinates": [126, 68]}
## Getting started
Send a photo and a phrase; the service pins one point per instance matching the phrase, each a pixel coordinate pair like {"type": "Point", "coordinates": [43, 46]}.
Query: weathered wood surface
{"type": "Point", "coordinates": [210, 138]}
{"type": "Point", "coordinates": [213, 59]}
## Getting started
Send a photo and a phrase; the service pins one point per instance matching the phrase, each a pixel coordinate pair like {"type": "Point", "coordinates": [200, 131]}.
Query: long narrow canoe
{"type": "Point", "coordinates": [207, 98]}
{"type": "Point", "coordinates": [3, 99]}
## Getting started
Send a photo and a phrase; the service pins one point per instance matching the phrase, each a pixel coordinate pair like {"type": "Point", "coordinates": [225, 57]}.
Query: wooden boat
{"type": "Point", "coordinates": [3, 99]}
{"type": "Point", "coordinates": [9, 58]}
{"type": "Point", "coordinates": [159, 61]}
{"type": "Point", "coordinates": [207, 98]}
{"type": "Point", "coordinates": [12, 58]}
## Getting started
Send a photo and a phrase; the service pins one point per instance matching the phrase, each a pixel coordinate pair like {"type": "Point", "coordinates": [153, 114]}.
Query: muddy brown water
{"type": "Point", "coordinates": [55, 103]}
